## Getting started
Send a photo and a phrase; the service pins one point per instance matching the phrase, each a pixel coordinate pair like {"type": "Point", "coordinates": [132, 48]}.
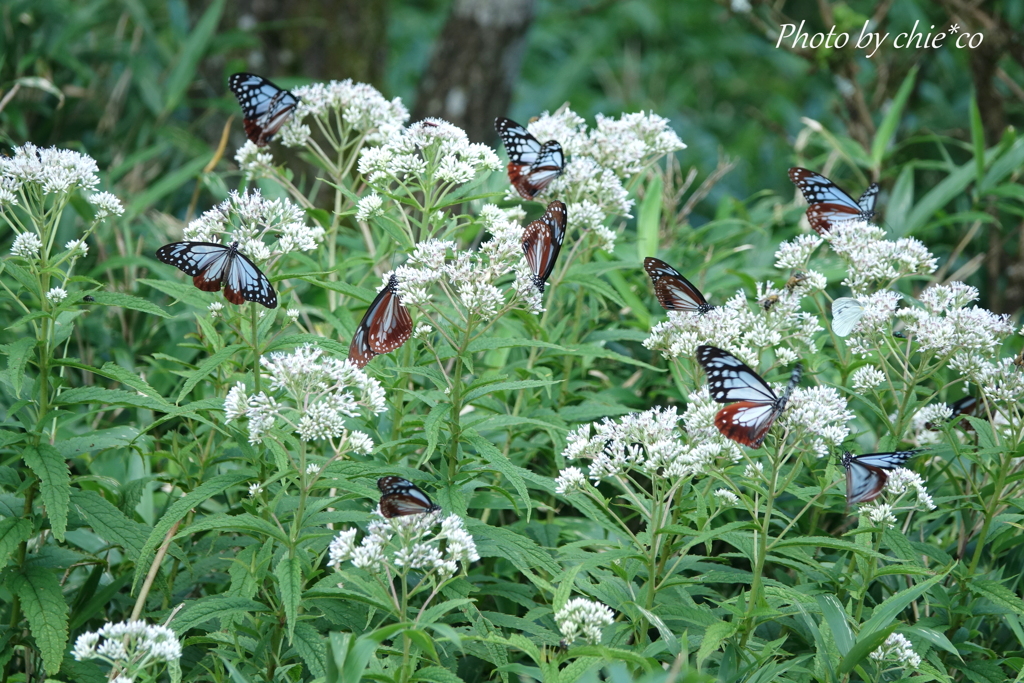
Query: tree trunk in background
{"type": "Point", "coordinates": [475, 63]}
{"type": "Point", "coordinates": [319, 39]}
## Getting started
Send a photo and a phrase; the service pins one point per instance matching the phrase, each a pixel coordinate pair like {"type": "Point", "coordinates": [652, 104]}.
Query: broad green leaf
{"type": "Point", "coordinates": [436, 674]}
{"type": "Point", "coordinates": [936, 198]}
{"type": "Point", "coordinates": [997, 593]}
{"type": "Point", "coordinates": [311, 647]}
{"type": "Point", "coordinates": [18, 354]}
{"type": "Point", "coordinates": [289, 581]}
{"type": "Point", "coordinates": [244, 522]}
{"type": "Point", "coordinates": [47, 613]}
{"type": "Point", "coordinates": [837, 621]}
{"type": "Point", "coordinates": [186, 66]}
{"type": "Point", "coordinates": [565, 585]}
{"type": "Point", "coordinates": [714, 636]}
{"type": "Point", "coordinates": [97, 440]}
{"type": "Point", "coordinates": [933, 637]}
{"type": "Point", "coordinates": [98, 398]}
{"type": "Point", "coordinates": [128, 301]}
{"type": "Point", "coordinates": [13, 532]}
{"type": "Point", "coordinates": [213, 607]}
{"type": "Point", "coordinates": [891, 120]}
{"type": "Point", "coordinates": [1009, 162]}
{"type": "Point", "coordinates": [486, 389]}
{"type": "Point", "coordinates": [648, 220]}
{"type": "Point", "coordinates": [109, 523]}
{"type": "Point", "coordinates": [901, 200]}
{"type": "Point", "coordinates": [165, 185]}
{"type": "Point", "coordinates": [496, 459]}
{"type": "Point", "coordinates": [206, 367]}
{"type": "Point", "coordinates": [49, 466]}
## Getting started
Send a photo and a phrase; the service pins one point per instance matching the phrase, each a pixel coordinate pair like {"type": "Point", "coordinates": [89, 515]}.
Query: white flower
{"type": "Point", "coordinates": [628, 144]}
{"type": "Point", "coordinates": [570, 479]}
{"type": "Point", "coordinates": [754, 470]}
{"type": "Point", "coordinates": [312, 469]}
{"type": "Point", "coordinates": [249, 219]}
{"type": "Point", "coordinates": [133, 646]}
{"type": "Point", "coordinates": [341, 547]}
{"type": "Point", "coordinates": [726, 497]}
{"type": "Point", "coordinates": [795, 253]}
{"type": "Point", "coordinates": [27, 245]}
{"type": "Point", "coordinates": [900, 480]}
{"type": "Point", "coordinates": [899, 650]}
{"type": "Point", "coordinates": [818, 411]}
{"type": "Point", "coordinates": [52, 170]}
{"type": "Point", "coordinates": [361, 108]}
{"type": "Point", "coordinates": [106, 205]}
{"type": "Point", "coordinates": [255, 489]}
{"type": "Point", "coordinates": [236, 403]}
{"type": "Point", "coordinates": [254, 161]}
{"type": "Point", "coordinates": [78, 248]}
{"type": "Point", "coordinates": [369, 207]}
{"type": "Point", "coordinates": [293, 314]}
{"type": "Point", "coordinates": [879, 513]}
{"type": "Point", "coordinates": [215, 309]}
{"type": "Point", "coordinates": [580, 616]}
{"type": "Point", "coordinates": [56, 295]}
{"type": "Point", "coordinates": [874, 262]}
{"type": "Point", "coordinates": [867, 377]}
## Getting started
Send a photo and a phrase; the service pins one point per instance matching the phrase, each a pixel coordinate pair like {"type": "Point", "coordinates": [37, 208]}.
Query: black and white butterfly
{"type": "Point", "coordinates": [212, 265]}
{"type": "Point", "coordinates": [674, 292]}
{"type": "Point", "coordinates": [828, 204]}
{"type": "Point", "coordinates": [542, 240]}
{"type": "Point", "coordinates": [400, 497]}
{"type": "Point", "coordinates": [755, 406]}
{"type": "Point", "coordinates": [265, 107]}
{"type": "Point", "coordinates": [866, 474]}
{"type": "Point", "coordinates": [531, 165]}
{"type": "Point", "coordinates": [385, 326]}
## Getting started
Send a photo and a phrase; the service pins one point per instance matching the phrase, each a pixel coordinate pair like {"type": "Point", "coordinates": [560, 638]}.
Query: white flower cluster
{"type": "Point", "coordinates": [699, 420]}
{"type": "Point", "coordinates": [360, 108]}
{"type": "Point", "coordinates": [745, 330]}
{"type": "Point", "coordinates": [27, 245]}
{"type": "Point", "coordinates": [898, 482]}
{"type": "Point", "coordinates": [866, 378]}
{"type": "Point", "coordinates": [407, 542]}
{"type": "Point", "coordinates": [470, 275]}
{"type": "Point", "coordinates": [45, 170]}
{"type": "Point", "coordinates": [615, 149]}
{"type": "Point", "coordinates": [432, 149]}
{"type": "Point", "coordinates": [650, 442]}
{"type": "Point", "coordinates": [131, 646]}
{"type": "Point", "coordinates": [582, 617]}
{"type": "Point", "coordinates": [874, 262]}
{"type": "Point", "coordinates": [820, 414]}
{"type": "Point", "coordinates": [944, 326]}
{"type": "Point", "coordinates": [1000, 380]}
{"type": "Point", "coordinates": [318, 394]}
{"type": "Point", "coordinates": [105, 204]}
{"type": "Point", "coordinates": [254, 161]}
{"type": "Point", "coordinates": [897, 649]}
{"type": "Point", "coordinates": [250, 218]}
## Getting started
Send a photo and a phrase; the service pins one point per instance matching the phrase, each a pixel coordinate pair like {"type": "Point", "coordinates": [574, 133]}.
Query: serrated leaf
{"type": "Point", "coordinates": [49, 466]}
{"type": "Point", "coordinates": [496, 459]}
{"type": "Point", "coordinates": [109, 523]}
{"type": "Point", "coordinates": [714, 635]}
{"type": "Point", "coordinates": [97, 440]}
{"type": "Point", "coordinates": [835, 616]}
{"type": "Point", "coordinates": [213, 607]}
{"type": "Point", "coordinates": [998, 593]}
{"type": "Point", "coordinates": [13, 532]}
{"type": "Point", "coordinates": [289, 581]}
{"type": "Point", "coordinates": [436, 674]}
{"type": "Point", "coordinates": [206, 367]}
{"type": "Point", "coordinates": [134, 303]}
{"type": "Point", "coordinates": [17, 358]}
{"type": "Point", "coordinates": [564, 589]}
{"type": "Point", "coordinates": [99, 398]}
{"type": "Point", "coordinates": [311, 648]}
{"type": "Point", "coordinates": [47, 613]}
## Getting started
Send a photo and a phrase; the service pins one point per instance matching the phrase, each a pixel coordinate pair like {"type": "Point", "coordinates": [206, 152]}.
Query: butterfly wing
{"type": "Point", "coordinates": [385, 326]}
{"type": "Point", "coordinates": [846, 313]}
{"type": "Point", "coordinates": [964, 406]}
{"type": "Point", "coordinates": [401, 497]}
{"type": "Point", "coordinates": [747, 422]}
{"type": "Point", "coordinates": [245, 282]}
{"type": "Point", "coordinates": [674, 292]}
{"type": "Point", "coordinates": [828, 203]}
{"type": "Point", "coordinates": [730, 379]}
{"type": "Point", "coordinates": [542, 241]}
{"type": "Point", "coordinates": [265, 107]}
{"type": "Point", "coordinates": [206, 262]}
{"type": "Point", "coordinates": [868, 200]}
{"type": "Point", "coordinates": [863, 482]}
{"type": "Point", "coordinates": [531, 165]}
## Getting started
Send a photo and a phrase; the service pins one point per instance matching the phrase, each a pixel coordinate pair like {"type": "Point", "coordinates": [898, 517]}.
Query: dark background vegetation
{"type": "Point", "coordinates": [141, 85]}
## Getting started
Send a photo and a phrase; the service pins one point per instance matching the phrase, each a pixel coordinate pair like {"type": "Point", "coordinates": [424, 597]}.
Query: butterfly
{"type": "Point", "coordinates": [400, 497]}
{"type": "Point", "coordinates": [828, 204]}
{"type": "Point", "coordinates": [212, 265]}
{"type": "Point", "coordinates": [265, 107]}
{"type": "Point", "coordinates": [865, 474]}
{"type": "Point", "coordinates": [675, 292]}
{"type": "Point", "coordinates": [963, 406]}
{"type": "Point", "coordinates": [385, 326]}
{"type": "Point", "coordinates": [846, 313]}
{"type": "Point", "coordinates": [531, 165]}
{"type": "Point", "coordinates": [542, 240]}
{"type": "Point", "coordinates": [755, 407]}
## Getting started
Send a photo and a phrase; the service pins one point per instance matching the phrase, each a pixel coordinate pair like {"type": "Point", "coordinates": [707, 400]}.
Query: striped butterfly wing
{"type": "Point", "coordinates": [963, 406]}
{"type": "Point", "coordinates": [542, 240]}
{"type": "Point", "coordinates": [674, 292]}
{"type": "Point", "coordinates": [385, 326]}
{"type": "Point", "coordinates": [400, 497]}
{"type": "Point", "coordinates": [846, 313]}
{"type": "Point", "coordinates": [213, 265]}
{"type": "Point", "coordinates": [265, 107]}
{"type": "Point", "coordinates": [865, 474]}
{"type": "Point", "coordinates": [828, 203]}
{"type": "Point", "coordinates": [755, 406]}
{"type": "Point", "coordinates": [531, 165]}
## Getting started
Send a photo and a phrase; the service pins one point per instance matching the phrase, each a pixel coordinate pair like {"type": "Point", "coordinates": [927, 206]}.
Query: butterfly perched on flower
{"type": "Point", "coordinates": [400, 497]}
{"type": "Point", "coordinates": [828, 204]}
{"type": "Point", "coordinates": [212, 265]}
{"type": "Point", "coordinates": [755, 406]}
{"type": "Point", "coordinates": [846, 313]}
{"type": "Point", "coordinates": [531, 165]}
{"type": "Point", "coordinates": [963, 406]}
{"type": "Point", "coordinates": [385, 326]}
{"type": "Point", "coordinates": [675, 292]}
{"type": "Point", "coordinates": [265, 107]}
{"type": "Point", "coordinates": [542, 240]}
{"type": "Point", "coordinates": [866, 474]}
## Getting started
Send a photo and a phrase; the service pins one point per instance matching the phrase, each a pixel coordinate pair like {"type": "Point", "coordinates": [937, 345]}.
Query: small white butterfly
{"type": "Point", "coordinates": [846, 313]}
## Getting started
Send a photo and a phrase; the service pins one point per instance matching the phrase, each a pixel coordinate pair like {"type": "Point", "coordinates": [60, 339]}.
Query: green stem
{"type": "Point", "coordinates": [254, 320]}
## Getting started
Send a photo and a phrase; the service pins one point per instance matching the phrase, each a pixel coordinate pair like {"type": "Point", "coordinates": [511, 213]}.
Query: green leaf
{"type": "Point", "coordinates": [109, 523]}
{"type": "Point", "coordinates": [187, 65]}
{"type": "Point", "coordinates": [564, 590]}
{"type": "Point", "coordinates": [978, 138]}
{"type": "Point", "coordinates": [128, 301]}
{"type": "Point", "coordinates": [432, 426]}
{"type": "Point", "coordinates": [213, 607]}
{"type": "Point", "coordinates": [891, 120]}
{"type": "Point", "coordinates": [486, 389]}
{"type": "Point", "coordinates": [436, 674]}
{"type": "Point", "coordinates": [349, 656]}
{"type": "Point", "coordinates": [496, 459]}
{"type": "Point", "coordinates": [649, 219]}
{"type": "Point", "coordinates": [866, 644]}
{"type": "Point", "coordinates": [13, 532]}
{"type": "Point", "coordinates": [127, 378]}
{"type": "Point", "coordinates": [901, 200]}
{"type": "Point", "coordinates": [940, 195]}
{"type": "Point", "coordinates": [98, 398]}
{"type": "Point", "coordinates": [49, 466]}
{"type": "Point", "coordinates": [164, 185]}
{"type": "Point", "coordinates": [47, 613]}
{"type": "Point", "coordinates": [835, 616]}
{"type": "Point", "coordinates": [1006, 164]}
{"type": "Point", "coordinates": [933, 637]}
{"type": "Point", "coordinates": [882, 615]}
{"type": "Point", "coordinates": [246, 523]}
{"type": "Point", "coordinates": [997, 593]}
{"type": "Point", "coordinates": [206, 367]}
{"type": "Point", "coordinates": [17, 358]}
{"type": "Point", "coordinates": [311, 647]}
{"type": "Point", "coordinates": [714, 636]}
{"type": "Point", "coordinates": [289, 580]}
{"type": "Point", "coordinates": [97, 440]}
